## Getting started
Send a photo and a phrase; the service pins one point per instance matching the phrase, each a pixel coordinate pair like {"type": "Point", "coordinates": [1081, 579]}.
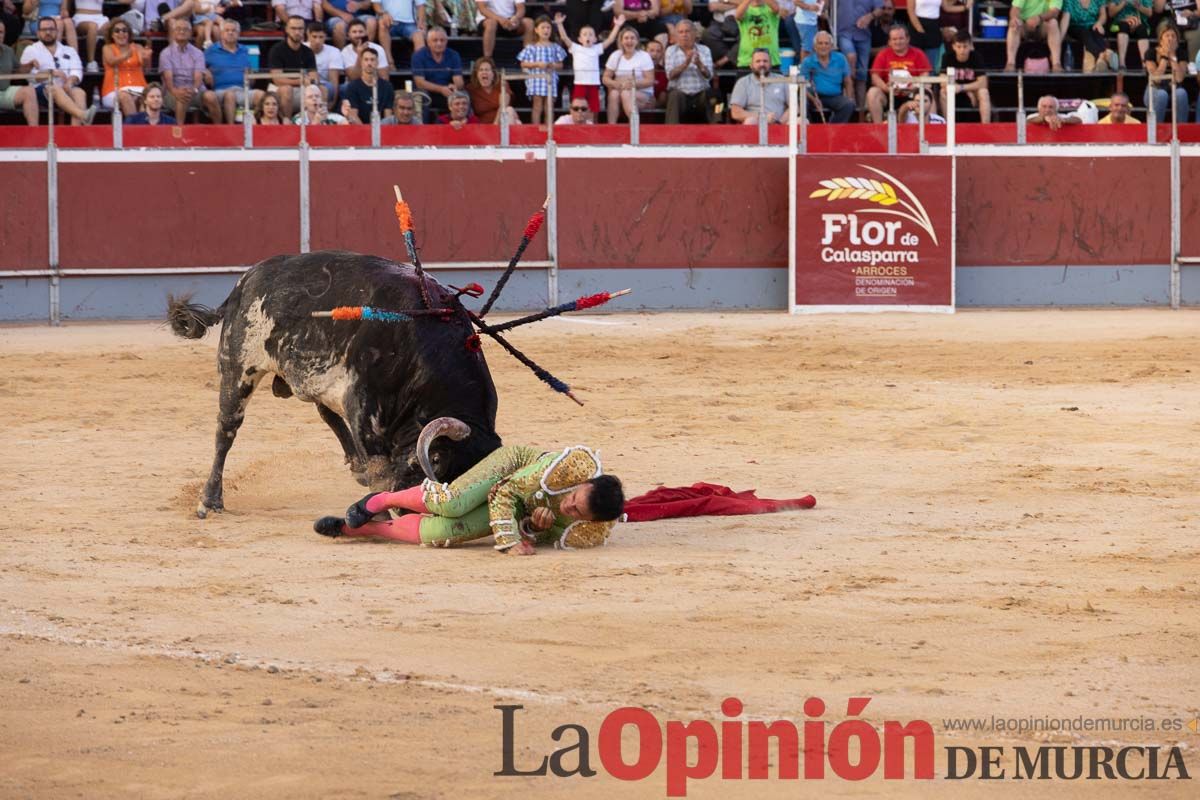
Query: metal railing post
{"type": "Point", "coordinates": [1020, 107]}
{"type": "Point", "coordinates": [504, 132]}
{"type": "Point", "coordinates": [1176, 223]}
{"type": "Point", "coordinates": [52, 222]}
{"type": "Point", "coordinates": [375, 113]}
{"type": "Point", "coordinates": [922, 145]}
{"type": "Point", "coordinates": [635, 121]}
{"type": "Point", "coordinates": [552, 221]}
{"type": "Point", "coordinates": [247, 117]}
{"type": "Point", "coordinates": [304, 193]}
{"type": "Point", "coordinates": [891, 119]}
{"type": "Point", "coordinates": [951, 108]}
{"type": "Point", "coordinates": [762, 111]}
{"type": "Point", "coordinates": [50, 110]}
{"type": "Point", "coordinates": [117, 119]}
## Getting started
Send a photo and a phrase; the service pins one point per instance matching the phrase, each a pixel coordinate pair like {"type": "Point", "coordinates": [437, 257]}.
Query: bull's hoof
{"type": "Point", "coordinates": [329, 526]}
{"type": "Point", "coordinates": [209, 506]}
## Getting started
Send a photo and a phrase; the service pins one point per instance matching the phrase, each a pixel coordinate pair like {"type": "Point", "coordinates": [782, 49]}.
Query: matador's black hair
{"type": "Point", "coordinates": [606, 501]}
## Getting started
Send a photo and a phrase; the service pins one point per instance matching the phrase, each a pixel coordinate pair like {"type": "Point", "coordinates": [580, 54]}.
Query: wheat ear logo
{"type": "Point", "coordinates": [880, 192]}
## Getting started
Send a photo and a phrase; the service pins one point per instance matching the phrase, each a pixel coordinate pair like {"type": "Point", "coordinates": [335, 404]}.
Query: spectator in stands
{"type": "Point", "coordinates": [153, 114]}
{"type": "Point", "coordinates": [316, 112]}
{"type": "Point", "coordinates": [459, 113]}
{"type": "Point", "coordinates": [506, 18]}
{"type": "Point", "coordinates": [657, 53]}
{"type": "Point", "coordinates": [1034, 19]}
{"type": "Point", "coordinates": [1118, 111]}
{"type": "Point", "coordinates": [854, 20]}
{"type": "Point", "coordinates": [670, 14]}
{"type": "Point", "coordinates": [15, 96]}
{"type": "Point", "coordinates": [47, 54]}
{"type": "Point", "coordinates": [329, 59]}
{"type": "Point", "coordinates": [802, 26]}
{"type": "Point", "coordinates": [544, 56]}
{"type": "Point", "coordinates": [1132, 20]}
{"type": "Point", "coordinates": [206, 19]}
{"type": "Point", "coordinates": [267, 110]}
{"type": "Point", "coordinates": [340, 14]}
{"type": "Point", "coordinates": [724, 26]}
{"type": "Point", "coordinates": [643, 16]}
{"type": "Point", "coordinates": [879, 27]}
{"type": "Point", "coordinates": [306, 10]}
{"type": "Point", "coordinates": [229, 62]}
{"type": "Point", "coordinates": [1189, 23]}
{"type": "Point", "coordinates": [403, 19]}
{"type": "Point", "coordinates": [910, 111]}
{"type": "Point", "coordinates": [690, 72]}
{"type": "Point", "coordinates": [628, 76]}
{"type": "Point", "coordinates": [1047, 114]}
{"type": "Point", "coordinates": [452, 14]}
{"type": "Point", "coordinates": [924, 17]}
{"type": "Point", "coordinates": [896, 62]}
{"type": "Point", "coordinates": [580, 114]}
{"type": "Point", "coordinates": [1084, 21]}
{"type": "Point", "coordinates": [956, 16]}
{"type": "Point", "coordinates": [11, 24]}
{"type": "Point", "coordinates": [437, 70]}
{"type": "Point", "coordinates": [298, 61]}
{"type": "Point", "coordinates": [89, 20]}
{"type": "Point", "coordinates": [159, 16]}
{"type": "Point", "coordinates": [831, 85]}
{"type": "Point", "coordinates": [124, 62]}
{"type": "Point", "coordinates": [35, 10]}
{"type": "Point", "coordinates": [357, 31]}
{"type": "Point", "coordinates": [758, 27]}
{"type": "Point", "coordinates": [485, 91]}
{"type": "Point", "coordinates": [358, 94]}
{"type": "Point", "coordinates": [404, 111]}
{"type": "Point", "coordinates": [183, 73]}
{"type": "Point", "coordinates": [585, 59]}
{"type": "Point", "coordinates": [969, 79]}
{"type": "Point", "coordinates": [751, 97]}
{"type": "Point", "coordinates": [1163, 65]}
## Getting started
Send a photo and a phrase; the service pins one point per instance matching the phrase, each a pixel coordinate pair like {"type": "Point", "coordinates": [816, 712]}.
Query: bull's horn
{"type": "Point", "coordinates": [442, 426]}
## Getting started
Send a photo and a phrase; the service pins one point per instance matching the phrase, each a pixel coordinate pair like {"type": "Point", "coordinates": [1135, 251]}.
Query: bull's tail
{"type": "Point", "coordinates": [191, 320]}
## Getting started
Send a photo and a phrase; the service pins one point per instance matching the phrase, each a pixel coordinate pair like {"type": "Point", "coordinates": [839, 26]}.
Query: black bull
{"type": "Point", "coordinates": [376, 384]}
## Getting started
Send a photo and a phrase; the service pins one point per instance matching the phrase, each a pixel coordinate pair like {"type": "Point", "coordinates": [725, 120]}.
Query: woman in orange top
{"type": "Point", "coordinates": [123, 62]}
{"type": "Point", "coordinates": [484, 89]}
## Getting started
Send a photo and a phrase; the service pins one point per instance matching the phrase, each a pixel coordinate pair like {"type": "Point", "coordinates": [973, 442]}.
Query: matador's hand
{"type": "Point", "coordinates": [541, 519]}
{"type": "Point", "coordinates": [522, 548]}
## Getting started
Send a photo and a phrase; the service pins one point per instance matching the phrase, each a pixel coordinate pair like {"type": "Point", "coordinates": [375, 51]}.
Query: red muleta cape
{"type": "Point", "coordinates": [705, 499]}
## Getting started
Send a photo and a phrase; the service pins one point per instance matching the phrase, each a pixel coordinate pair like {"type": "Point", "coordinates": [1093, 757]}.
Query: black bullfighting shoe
{"type": "Point", "coordinates": [357, 514]}
{"type": "Point", "coordinates": [329, 526]}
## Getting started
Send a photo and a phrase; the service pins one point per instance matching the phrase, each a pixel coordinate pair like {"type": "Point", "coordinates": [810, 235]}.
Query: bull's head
{"type": "Point", "coordinates": [446, 448]}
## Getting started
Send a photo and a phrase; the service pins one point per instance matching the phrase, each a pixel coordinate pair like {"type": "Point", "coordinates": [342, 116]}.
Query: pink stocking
{"type": "Point", "coordinates": [410, 499]}
{"type": "Point", "coordinates": [402, 529]}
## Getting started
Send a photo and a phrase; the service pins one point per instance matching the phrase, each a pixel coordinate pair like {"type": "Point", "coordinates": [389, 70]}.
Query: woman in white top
{"type": "Point", "coordinates": [927, 27]}
{"type": "Point", "coordinates": [629, 76]}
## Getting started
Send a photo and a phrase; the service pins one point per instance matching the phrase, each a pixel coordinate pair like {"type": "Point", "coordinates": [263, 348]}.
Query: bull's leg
{"type": "Point", "coordinates": [365, 429]}
{"type": "Point", "coordinates": [358, 464]}
{"type": "Point", "coordinates": [236, 387]}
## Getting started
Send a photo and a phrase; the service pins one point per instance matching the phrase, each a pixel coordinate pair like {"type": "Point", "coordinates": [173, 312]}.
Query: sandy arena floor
{"type": "Point", "coordinates": [1006, 525]}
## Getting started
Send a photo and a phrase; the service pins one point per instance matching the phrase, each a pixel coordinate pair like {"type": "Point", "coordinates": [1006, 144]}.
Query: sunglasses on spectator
{"type": "Point", "coordinates": [579, 108]}
{"type": "Point", "coordinates": [120, 30]}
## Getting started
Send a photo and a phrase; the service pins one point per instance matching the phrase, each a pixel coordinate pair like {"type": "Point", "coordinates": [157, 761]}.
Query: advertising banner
{"type": "Point", "coordinates": [873, 233]}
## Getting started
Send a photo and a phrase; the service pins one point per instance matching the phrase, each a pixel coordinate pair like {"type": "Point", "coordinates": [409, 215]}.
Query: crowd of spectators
{"type": "Point", "coordinates": [335, 61]}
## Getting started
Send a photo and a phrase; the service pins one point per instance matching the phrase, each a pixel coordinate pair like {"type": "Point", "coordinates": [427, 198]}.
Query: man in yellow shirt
{"type": "Point", "coordinates": [1118, 111]}
{"type": "Point", "coordinates": [1035, 19]}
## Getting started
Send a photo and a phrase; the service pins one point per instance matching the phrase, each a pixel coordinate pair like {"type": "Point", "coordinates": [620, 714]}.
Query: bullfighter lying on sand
{"type": "Point", "coordinates": [521, 495]}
